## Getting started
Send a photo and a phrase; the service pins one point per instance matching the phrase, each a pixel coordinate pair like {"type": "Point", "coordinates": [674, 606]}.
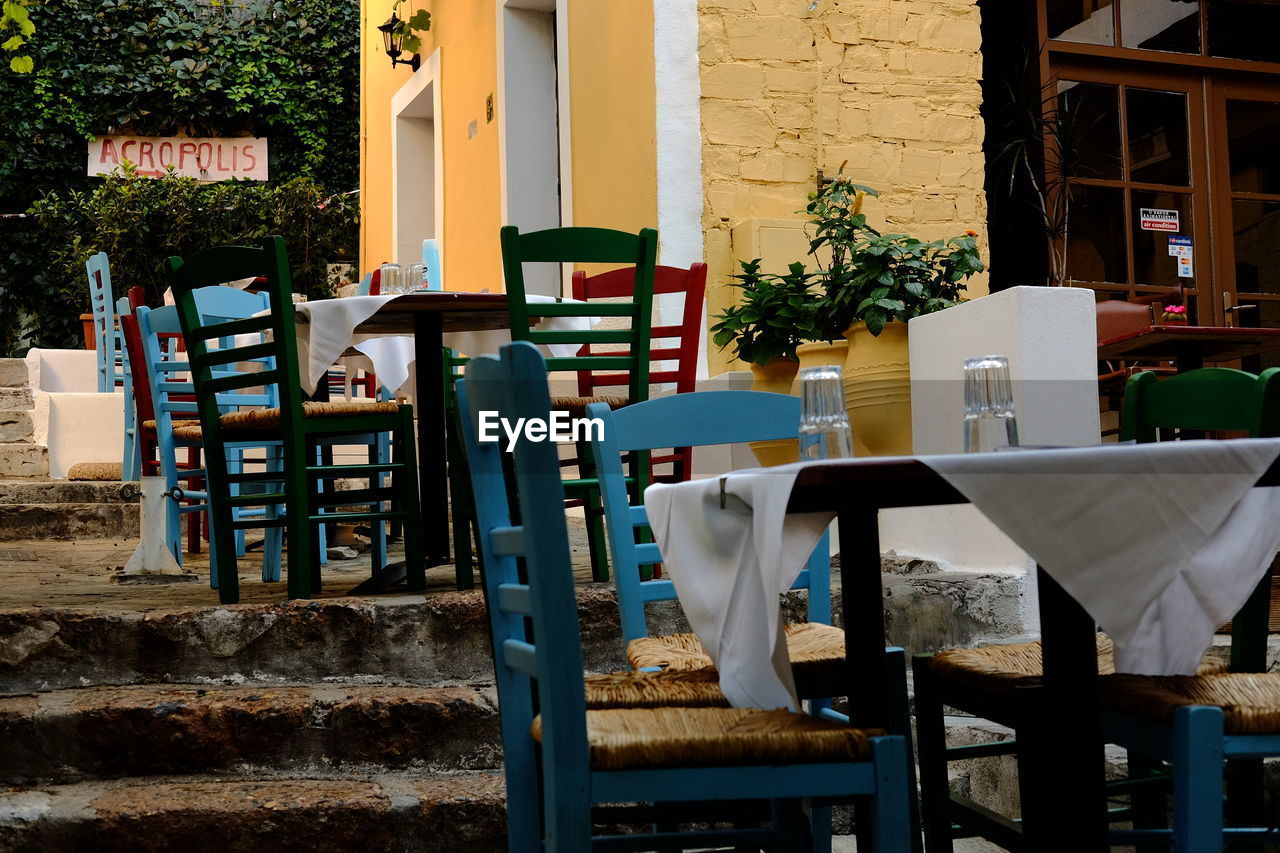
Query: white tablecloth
{"type": "Point", "coordinates": [327, 328]}
{"type": "Point", "coordinates": [1160, 543]}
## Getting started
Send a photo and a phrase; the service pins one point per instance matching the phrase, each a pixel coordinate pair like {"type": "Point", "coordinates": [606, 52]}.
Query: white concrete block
{"type": "Point", "coordinates": [82, 427]}
{"type": "Point", "coordinates": [63, 370]}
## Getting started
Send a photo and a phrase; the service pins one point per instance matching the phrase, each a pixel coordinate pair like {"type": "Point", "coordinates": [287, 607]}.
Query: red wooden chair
{"type": "Point", "coordinates": [677, 344]}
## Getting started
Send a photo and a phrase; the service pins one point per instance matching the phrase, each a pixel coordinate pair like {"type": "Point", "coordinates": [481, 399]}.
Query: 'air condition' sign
{"type": "Point", "coordinates": [202, 159]}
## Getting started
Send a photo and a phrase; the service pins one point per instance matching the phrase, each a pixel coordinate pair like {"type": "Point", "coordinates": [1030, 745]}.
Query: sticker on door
{"type": "Point", "coordinates": [1155, 219]}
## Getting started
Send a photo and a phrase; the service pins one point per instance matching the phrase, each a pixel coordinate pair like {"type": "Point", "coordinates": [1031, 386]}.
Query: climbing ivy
{"type": "Point", "coordinates": [283, 69]}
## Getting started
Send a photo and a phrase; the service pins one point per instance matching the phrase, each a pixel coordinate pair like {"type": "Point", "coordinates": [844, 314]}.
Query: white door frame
{"type": "Point", "coordinates": [511, 139]}
{"type": "Point", "coordinates": [417, 100]}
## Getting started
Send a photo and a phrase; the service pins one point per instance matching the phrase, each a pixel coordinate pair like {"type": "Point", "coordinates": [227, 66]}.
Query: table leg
{"type": "Point", "coordinates": [1064, 746]}
{"type": "Point", "coordinates": [433, 471]}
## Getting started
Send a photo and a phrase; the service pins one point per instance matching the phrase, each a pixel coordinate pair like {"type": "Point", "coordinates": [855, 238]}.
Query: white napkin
{"type": "Point", "coordinates": [1160, 543]}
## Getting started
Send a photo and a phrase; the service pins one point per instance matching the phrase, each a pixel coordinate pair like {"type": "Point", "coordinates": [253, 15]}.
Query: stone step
{"type": "Point", "coordinates": [68, 521]}
{"type": "Point", "coordinates": [67, 492]}
{"type": "Point", "coordinates": [20, 399]}
{"type": "Point", "coordinates": [426, 813]}
{"type": "Point", "coordinates": [24, 460]}
{"type": "Point", "coordinates": [13, 373]}
{"type": "Point", "coordinates": [105, 732]}
{"type": "Point", "coordinates": [16, 427]}
{"type": "Point", "coordinates": [437, 640]}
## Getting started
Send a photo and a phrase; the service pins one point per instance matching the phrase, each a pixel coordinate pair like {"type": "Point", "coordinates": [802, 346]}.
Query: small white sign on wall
{"type": "Point", "coordinates": [205, 159]}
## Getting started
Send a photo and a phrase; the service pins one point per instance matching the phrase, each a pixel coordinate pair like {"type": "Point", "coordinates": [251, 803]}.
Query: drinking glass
{"type": "Point", "coordinates": [824, 423]}
{"type": "Point", "coordinates": [989, 420]}
{"type": "Point", "coordinates": [417, 277]}
{"type": "Point", "coordinates": [392, 279]}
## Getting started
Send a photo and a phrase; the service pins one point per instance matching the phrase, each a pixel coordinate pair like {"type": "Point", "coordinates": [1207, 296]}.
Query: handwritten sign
{"type": "Point", "coordinates": [203, 159]}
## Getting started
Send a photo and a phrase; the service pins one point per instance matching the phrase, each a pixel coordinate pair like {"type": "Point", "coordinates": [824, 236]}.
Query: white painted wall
{"type": "Point", "coordinates": [417, 196]}
{"type": "Point", "coordinates": [679, 147]}
{"type": "Point", "coordinates": [81, 428]}
{"type": "Point", "coordinates": [73, 370]}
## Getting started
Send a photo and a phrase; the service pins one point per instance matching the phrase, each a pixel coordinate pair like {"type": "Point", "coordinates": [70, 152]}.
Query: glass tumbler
{"type": "Point", "coordinates": [824, 423]}
{"type": "Point", "coordinates": [989, 419]}
{"type": "Point", "coordinates": [417, 277]}
{"type": "Point", "coordinates": [392, 279]}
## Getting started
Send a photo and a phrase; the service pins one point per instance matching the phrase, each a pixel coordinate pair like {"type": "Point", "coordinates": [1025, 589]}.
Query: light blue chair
{"type": "Point", "coordinates": [538, 660]}
{"type": "Point", "coordinates": [171, 395]}
{"type": "Point", "coordinates": [365, 284]}
{"type": "Point", "coordinates": [431, 260]}
{"type": "Point", "coordinates": [112, 359]}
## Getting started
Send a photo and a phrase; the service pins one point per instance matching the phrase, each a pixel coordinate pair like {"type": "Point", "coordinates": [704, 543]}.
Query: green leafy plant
{"type": "Point", "coordinates": [775, 314]}
{"type": "Point", "coordinates": [878, 278]}
{"type": "Point", "coordinates": [140, 221]}
{"type": "Point", "coordinates": [15, 16]}
{"type": "Point", "coordinates": [287, 70]}
{"type": "Point", "coordinates": [408, 28]}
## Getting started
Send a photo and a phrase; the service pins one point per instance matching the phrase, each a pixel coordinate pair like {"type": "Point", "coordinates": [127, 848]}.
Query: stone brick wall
{"type": "Point", "coordinates": [891, 86]}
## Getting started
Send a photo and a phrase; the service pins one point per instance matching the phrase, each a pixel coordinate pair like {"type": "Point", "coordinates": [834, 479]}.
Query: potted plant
{"type": "Point", "coordinates": [765, 329]}
{"type": "Point", "coordinates": [872, 285]}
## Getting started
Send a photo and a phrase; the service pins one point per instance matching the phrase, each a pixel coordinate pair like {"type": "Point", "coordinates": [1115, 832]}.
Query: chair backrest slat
{"type": "Point", "coordinates": [698, 419]}
{"type": "Point", "coordinates": [269, 264]}
{"type": "Point", "coordinates": [585, 245]}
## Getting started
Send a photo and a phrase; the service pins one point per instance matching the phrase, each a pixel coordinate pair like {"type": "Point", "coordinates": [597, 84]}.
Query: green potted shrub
{"type": "Point", "coordinates": [871, 286]}
{"type": "Point", "coordinates": [765, 329]}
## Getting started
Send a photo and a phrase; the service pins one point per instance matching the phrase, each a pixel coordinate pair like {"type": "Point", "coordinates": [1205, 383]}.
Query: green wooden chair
{"type": "Point", "coordinates": [628, 353]}
{"type": "Point", "coordinates": [295, 492]}
{"type": "Point", "coordinates": [999, 683]}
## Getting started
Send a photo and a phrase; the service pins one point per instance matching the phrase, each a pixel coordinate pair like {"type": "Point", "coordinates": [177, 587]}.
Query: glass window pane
{"type": "Point", "coordinates": [1157, 126]}
{"type": "Point", "coordinates": [1088, 127]}
{"type": "Point", "coordinates": [1152, 263]}
{"type": "Point", "coordinates": [1086, 21]}
{"type": "Point", "coordinates": [1256, 226]}
{"type": "Point", "coordinates": [1253, 138]}
{"type": "Point", "coordinates": [1095, 235]}
{"type": "Point", "coordinates": [1244, 29]}
{"type": "Point", "coordinates": [1172, 25]}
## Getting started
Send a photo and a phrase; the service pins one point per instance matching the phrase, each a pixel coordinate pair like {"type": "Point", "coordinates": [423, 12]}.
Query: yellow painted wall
{"type": "Point", "coordinates": [614, 154]}
{"type": "Point", "coordinates": [611, 108]}
{"type": "Point", "coordinates": [466, 36]}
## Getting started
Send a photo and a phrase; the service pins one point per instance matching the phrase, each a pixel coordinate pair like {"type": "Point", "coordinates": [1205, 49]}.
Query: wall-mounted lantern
{"type": "Point", "coordinates": [393, 36]}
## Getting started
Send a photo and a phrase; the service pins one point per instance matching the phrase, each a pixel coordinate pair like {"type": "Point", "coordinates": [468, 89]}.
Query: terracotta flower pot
{"type": "Point", "coordinates": [817, 355]}
{"type": "Point", "coordinates": [775, 377]}
{"type": "Point", "coordinates": [877, 390]}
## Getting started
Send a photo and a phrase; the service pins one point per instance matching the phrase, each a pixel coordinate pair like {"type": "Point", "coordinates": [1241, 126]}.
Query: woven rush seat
{"type": "Point", "coordinates": [695, 688]}
{"type": "Point", "coordinates": [577, 406]}
{"type": "Point", "coordinates": [266, 420]}
{"type": "Point", "coordinates": [630, 738]}
{"type": "Point", "coordinates": [1250, 701]}
{"type": "Point", "coordinates": [814, 649]}
{"type": "Point", "coordinates": [1004, 668]}
{"type": "Point", "coordinates": [152, 426]}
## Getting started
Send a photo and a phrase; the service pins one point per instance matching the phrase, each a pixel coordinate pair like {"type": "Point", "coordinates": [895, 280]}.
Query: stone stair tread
{"type": "Point", "coordinates": [46, 491]}
{"type": "Point", "coordinates": [375, 811]}
{"type": "Point", "coordinates": [64, 735]}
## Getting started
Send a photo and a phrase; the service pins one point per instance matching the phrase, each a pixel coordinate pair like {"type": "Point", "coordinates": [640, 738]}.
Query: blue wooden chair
{"type": "Point", "coordinates": [628, 755]}
{"type": "Point", "coordinates": [700, 420]}
{"type": "Point", "coordinates": [177, 426]}
{"type": "Point", "coordinates": [431, 260]}
{"type": "Point", "coordinates": [112, 359]}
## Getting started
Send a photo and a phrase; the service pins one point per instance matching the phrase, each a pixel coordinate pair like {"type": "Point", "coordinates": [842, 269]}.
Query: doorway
{"type": "Point", "coordinates": [533, 126]}
{"type": "Point", "coordinates": [417, 194]}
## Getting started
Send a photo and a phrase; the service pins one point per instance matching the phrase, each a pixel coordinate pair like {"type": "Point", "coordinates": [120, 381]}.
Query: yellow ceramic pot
{"type": "Point", "coordinates": [877, 390]}
{"type": "Point", "coordinates": [817, 355]}
{"type": "Point", "coordinates": [775, 377]}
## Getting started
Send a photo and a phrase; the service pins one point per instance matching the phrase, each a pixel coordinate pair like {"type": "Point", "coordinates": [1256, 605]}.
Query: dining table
{"type": "Point", "coordinates": [1159, 586]}
{"type": "Point", "coordinates": [1189, 347]}
{"type": "Point", "coordinates": [403, 337]}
